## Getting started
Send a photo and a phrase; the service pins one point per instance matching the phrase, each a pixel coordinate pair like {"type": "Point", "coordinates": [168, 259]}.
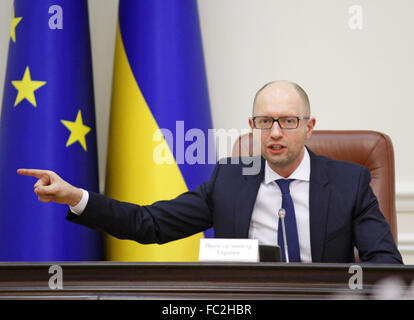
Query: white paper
{"type": "Point", "coordinates": [229, 250]}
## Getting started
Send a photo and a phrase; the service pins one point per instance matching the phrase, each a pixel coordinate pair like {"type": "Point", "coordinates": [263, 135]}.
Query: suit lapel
{"type": "Point", "coordinates": [319, 194]}
{"type": "Point", "coordinates": [245, 202]}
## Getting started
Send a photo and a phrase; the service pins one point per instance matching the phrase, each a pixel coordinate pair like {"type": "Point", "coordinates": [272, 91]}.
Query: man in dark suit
{"type": "Point", "coordinates": [330, 207]}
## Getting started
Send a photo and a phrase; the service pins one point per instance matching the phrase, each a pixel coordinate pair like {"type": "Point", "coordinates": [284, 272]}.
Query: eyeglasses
{"type": "Point", "coordinates": [266, 123]}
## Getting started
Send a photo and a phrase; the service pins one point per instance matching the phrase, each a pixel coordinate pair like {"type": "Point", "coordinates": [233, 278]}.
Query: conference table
{"type": "Point", "coordinates": [194, 280]}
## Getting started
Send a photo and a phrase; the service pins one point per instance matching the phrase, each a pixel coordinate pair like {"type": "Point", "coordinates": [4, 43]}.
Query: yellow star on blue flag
{"type": "Point", "coordinates": [14, 22]}
{"type": "Point", "coordinates": [78, 131]}
{"type": "Point", "coordinates": [26, 88]}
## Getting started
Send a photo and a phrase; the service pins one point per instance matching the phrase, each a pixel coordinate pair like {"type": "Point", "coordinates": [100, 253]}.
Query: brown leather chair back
{"type": "Point", "coordinates": [368, 148]}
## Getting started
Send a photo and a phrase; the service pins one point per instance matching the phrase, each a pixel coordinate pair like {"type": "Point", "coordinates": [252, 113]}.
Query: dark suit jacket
{"type": "Point", "coordinates": [344, 212]}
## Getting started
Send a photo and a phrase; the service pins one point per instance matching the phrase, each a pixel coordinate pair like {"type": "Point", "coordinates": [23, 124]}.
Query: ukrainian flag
{"type": "Point", "coordinates": [159, 83]}
{"type": "Point", "coordinates": [47, 122]}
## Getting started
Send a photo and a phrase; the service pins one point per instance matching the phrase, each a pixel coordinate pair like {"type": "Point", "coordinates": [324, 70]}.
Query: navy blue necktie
{"type": "Point", "coordinates": [290, 223]}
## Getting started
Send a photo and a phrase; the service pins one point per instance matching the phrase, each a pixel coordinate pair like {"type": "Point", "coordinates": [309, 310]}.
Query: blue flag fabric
{"type": "Point", "coordinates": [162, 40]}
{"type": "Point", "coordinates": [47, 122]}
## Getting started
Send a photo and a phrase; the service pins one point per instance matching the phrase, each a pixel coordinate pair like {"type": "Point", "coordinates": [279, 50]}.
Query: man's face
{"type": "Point", "coordinates": [282, 148]}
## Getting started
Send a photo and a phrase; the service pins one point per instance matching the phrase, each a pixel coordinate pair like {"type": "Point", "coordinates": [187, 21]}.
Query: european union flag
{"type": "Point", "coordinates": [47, 122]}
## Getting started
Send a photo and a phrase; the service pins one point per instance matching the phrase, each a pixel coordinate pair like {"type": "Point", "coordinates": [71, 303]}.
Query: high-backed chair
{"type": "Point", "coordinates": [368, 148]}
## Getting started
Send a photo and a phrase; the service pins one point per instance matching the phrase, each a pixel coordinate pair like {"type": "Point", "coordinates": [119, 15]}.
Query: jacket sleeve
{"type": "Point", "coordinates": [372, 233]}
{"type": "Point", "coordinates": [161, 222]}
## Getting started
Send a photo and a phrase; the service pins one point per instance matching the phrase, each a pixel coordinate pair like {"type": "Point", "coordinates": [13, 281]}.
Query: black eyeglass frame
{"type": "Point", "coordinates": [277, 120]}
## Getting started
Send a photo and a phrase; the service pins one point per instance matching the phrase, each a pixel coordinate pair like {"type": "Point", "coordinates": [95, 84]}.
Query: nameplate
{"type": "Point", "coordinates": [229, 250]}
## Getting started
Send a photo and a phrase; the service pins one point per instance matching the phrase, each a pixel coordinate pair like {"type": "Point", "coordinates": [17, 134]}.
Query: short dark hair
{"type": "Point", "coordinates": [302, 94]}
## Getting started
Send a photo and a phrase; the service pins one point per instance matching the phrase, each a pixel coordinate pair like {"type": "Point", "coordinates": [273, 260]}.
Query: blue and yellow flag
{"type": "Point", "coordinates": [159, 83]}
{"type": "Point", "coordinates": [47, 122]}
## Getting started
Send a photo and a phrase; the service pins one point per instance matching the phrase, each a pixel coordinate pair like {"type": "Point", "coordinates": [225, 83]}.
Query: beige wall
{"type": "Point", "coordinates": [356, 79]}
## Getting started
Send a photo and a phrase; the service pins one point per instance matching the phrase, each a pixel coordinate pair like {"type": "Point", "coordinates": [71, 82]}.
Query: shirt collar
{"type": "Point", "coordinates": [302, 172]}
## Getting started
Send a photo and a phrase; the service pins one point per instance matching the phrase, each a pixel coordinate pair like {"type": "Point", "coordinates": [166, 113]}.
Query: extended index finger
{"type": "Point", "coordinates": [32, 172]}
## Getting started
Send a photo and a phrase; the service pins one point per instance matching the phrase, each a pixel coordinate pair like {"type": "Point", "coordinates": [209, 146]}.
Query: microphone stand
{"type": "Point", "coordinates": [282, 214]}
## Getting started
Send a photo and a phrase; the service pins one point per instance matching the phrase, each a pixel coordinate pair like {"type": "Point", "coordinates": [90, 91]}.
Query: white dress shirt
{"type": "Point", "coordinates": [78, 209]}
{"type": "Point", "coordinates": [265, 221]}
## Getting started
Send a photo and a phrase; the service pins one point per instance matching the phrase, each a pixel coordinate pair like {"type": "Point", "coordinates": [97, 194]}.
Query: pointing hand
{"type": "Point", "coordinates": [51, 187]}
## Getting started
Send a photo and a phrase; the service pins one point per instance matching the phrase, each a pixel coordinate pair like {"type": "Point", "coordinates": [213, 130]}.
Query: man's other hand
{"type": "Point", "coordinates": [51, 187]}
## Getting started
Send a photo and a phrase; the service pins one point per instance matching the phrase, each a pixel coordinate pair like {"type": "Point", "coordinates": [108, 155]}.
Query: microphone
{"type": "Point", "coordinates": [282, 214]}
